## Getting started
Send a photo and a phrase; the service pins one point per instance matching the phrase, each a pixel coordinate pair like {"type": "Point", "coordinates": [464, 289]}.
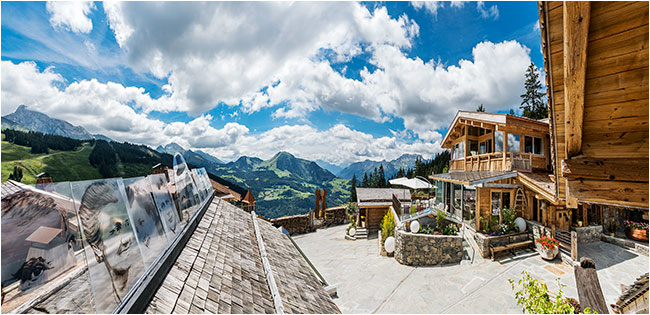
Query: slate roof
{"type": "Point", "coordinates": [380, 196]}
{"type": "Point", "coordinates": [636, 290]}
{"type": "Point", "coordinates": [220, 270]}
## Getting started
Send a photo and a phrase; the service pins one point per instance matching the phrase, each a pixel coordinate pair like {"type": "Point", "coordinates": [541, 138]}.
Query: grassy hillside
{"type": "Point", "coordinates": [61, 165]}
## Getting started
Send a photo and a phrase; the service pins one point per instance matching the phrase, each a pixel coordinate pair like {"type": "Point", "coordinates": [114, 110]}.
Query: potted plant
{"type": "Point", "coordinates": [637, 231]}
{"type": "Point", "coordinates": [547, 247]}
{"type": "Point", "coordinates": [613, 225]}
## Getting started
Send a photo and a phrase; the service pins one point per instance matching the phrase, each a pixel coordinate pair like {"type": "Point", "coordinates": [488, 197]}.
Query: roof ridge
{"type": "Point", "coordinates": [270, 279]}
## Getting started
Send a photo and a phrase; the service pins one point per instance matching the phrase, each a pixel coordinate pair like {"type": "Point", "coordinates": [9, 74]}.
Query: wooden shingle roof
{"type": "Point", "coordinates": [220, 270]}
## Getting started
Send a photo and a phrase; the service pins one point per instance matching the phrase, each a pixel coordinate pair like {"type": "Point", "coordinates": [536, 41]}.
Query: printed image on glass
{"type": "Point", "coordinates": [208, 183]}
{"type": "Point", "coordinates": [186, 193]}
{"type": "Point", "coordinates": [37, 238]}
{"type": "Point", "coordinates": [145, 218]}
{"type": "Point", "coordinates": [165, 204]}
{"type": "Point", "coordinates": [199, 184]}
{"type": "Point", "coordinates": [114, 261]}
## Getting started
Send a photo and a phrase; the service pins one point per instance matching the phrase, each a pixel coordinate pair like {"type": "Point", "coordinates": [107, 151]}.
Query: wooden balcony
{"type": "Point", "coordinates": [497, 161]}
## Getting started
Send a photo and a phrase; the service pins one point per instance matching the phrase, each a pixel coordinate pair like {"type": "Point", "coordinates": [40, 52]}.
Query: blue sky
{"type": "Point", "coordinates": [339, 82]}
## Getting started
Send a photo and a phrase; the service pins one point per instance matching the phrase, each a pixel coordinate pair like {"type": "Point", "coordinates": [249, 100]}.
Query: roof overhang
{"type": "Point", "coordinates": [473, 178]}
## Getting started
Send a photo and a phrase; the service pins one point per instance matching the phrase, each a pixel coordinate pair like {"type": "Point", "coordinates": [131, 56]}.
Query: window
{"type": "Point", "coordinates": [482, 148]}
{"type": "Point", "coordinates": [473, 147]}
{"type": "Point", "coordinates": [485, 147]}
{"type": "Point", "coordinates": [513, 143]}
{"type": "Point", "coordinates": [473, 131]}
{"type": "Point", "coordinates": [498, 141]}
{"type": "Point", "coordinates": [500, 200]}
{"type": "Point", "coordinates": [533, 145]}
{"type": "Point", "coordinates": [458, 151]}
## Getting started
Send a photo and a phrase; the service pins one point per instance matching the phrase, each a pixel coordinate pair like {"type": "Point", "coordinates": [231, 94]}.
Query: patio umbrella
{"type": "Point", "coordinates": [413, 183]}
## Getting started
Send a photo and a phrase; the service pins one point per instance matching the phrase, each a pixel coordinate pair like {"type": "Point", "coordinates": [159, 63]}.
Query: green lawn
{"type": "Point", "coordinates": [61, 165]}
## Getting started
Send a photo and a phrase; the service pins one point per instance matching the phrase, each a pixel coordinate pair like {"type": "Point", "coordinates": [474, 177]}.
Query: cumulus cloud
{"type": "Point", "coordinates": [337, 145]}
{"type": "Point", "coordinates": [71, 15]}
{"type": "Point", "coordinates": [425, 95]}
{"type": "Point", "coordinates": [108, 108]}
{"type": "Point", "coordinates": [212, 53]}
{"type": "Point", "coordinates": [491, 12]}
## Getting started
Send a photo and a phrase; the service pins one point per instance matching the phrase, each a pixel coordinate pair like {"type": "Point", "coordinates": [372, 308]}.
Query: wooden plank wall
{"type": "Point", "coordinates": [375, 216]}
{"type": "Point", "coordinates": [616, 90]}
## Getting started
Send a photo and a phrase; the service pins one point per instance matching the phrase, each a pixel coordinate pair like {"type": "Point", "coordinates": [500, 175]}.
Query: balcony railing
{"type": "Point", "coordinates": [495, 161]}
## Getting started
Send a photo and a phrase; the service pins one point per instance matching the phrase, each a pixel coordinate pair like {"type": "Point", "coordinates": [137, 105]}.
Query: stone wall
{"type": "Point", "coordinates": [335, 216]}
{"type": "Point", "coordinates": [424, 249]}
{"type": "Point", "coordinates": [625, 243]}
{"type": "Point", "coordinates": [588, 234]}
{"type": "Point", "coordinates": [484, 242]}
{"type": "Point", "coordinates": [295, 224]}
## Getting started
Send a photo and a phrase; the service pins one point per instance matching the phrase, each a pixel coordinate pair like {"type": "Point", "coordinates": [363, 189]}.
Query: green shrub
{"type": "Point", "coordinates": [450, 229]}
{"type": "Point", "coordinates": [440, 220]}
{"type": "Point", "coordinates": [427, 230]}
{"type": "Point", "coordinates": [536, 299]}
{"type": "Point", "coordinates": [387, 226]}
{"type": "Point", "coordinates": [414, 209]}
{"type": "Point", "coordinates": [351, 208]}
{"type": "Point", "coordinates": [508, 219]}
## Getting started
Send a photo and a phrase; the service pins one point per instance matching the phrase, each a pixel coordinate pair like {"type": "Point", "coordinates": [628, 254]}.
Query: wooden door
{"type": "Point", "coordinates": [563, 220]}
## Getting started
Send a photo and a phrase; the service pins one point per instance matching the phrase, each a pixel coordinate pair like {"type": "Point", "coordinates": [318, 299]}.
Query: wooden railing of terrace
{"type": "Point", "coordinates": [497, 161]}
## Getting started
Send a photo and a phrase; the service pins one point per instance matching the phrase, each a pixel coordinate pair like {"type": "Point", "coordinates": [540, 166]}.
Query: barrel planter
{"type": "Point", "coordinates": [548, 253]}
{"type": "Point", "coordinates": [637, 234]}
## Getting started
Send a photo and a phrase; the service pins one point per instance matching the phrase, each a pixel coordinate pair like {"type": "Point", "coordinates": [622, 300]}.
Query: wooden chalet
{"type": "Point", "coordinates": [498, 161]}
{"type": "Point", "coordinates": [587, 164]}
{"type": "Point", "coordinates": [374, 203]}
{"type": "Point", "coordinates": [596, 63]}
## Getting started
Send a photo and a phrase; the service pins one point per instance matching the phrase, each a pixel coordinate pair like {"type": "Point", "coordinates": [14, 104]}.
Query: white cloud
{"type": "Point", "coordinates": [104, 108]}
{"type": "Point", "coordinates": [487, 13]}
{"type": "Point", "coordinates": [71, 15]}
{"type": "Point", "coordinates": [337, 145]}
{"type": "Point", "coordinates": [220, 52]}
{"type": "Point", "coordinates": [430, 6]}
{"type": "Point", "coordinates": [426, 95]}
{"type": "Point", "coordinates": [457, 4]}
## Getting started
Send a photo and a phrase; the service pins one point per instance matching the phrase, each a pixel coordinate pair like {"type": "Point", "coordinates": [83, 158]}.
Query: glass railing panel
{"type": "Point", "coordinates": [115, 262]}
{"type": "Point", "coordinates": [169, 214]}
{"type": "Point", "coordinates": [145, 218]}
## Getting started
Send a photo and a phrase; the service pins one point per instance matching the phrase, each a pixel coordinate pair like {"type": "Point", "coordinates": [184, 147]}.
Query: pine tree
{"type": "Point", "coordinates": [353, 188]}
{"type": "Point", "coordinates": [532, 102]}
{"type": "Point", "coordinates": [17, 175]}
{"type": "Point", "coordinates": [480, 108]}
{"type": "Point", "coordinates": [365, 183]}
{"type": "Point", "coordinates": [381, 178]}
{"type": "Point", "coordinates": [512, 112]}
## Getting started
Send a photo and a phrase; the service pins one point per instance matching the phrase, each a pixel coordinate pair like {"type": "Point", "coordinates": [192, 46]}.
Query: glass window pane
{"type": "Point", "coordinates": [496, 203]}
{"type": "Point", "coordinates": [482, 148]}
{"type": "Point", "coordinates": [538, 146]}
{"type": "Point", "coordinates": [473, 147]}
{"type": "Point", "coordinates": [528, 144]}
{"type": "Point", "coordinates": [461, 150]}
{"type": "Point", "coordinates": [165, 204]}
{"type": "Point", "coordinates": [513, 143]}
{"type": "Point", "coordinates": [489, 146]}
{"type": "Point", "coordinates": [498, 141]}
{"type": "Point", "coordinates": [505, 200]}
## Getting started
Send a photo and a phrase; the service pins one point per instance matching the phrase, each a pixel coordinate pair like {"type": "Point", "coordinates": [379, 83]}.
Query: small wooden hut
{"type": "Point", "coordinates": [373, 204]}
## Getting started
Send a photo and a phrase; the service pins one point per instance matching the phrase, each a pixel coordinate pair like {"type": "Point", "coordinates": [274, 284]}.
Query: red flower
{"type": "Point", "coordinates": [547, 242]}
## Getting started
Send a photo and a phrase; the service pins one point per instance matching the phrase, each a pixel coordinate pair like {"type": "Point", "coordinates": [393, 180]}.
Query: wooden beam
{"type": "Point", "coordinates": [590, 293]}
{"type": "Point", "coordinates": [609, 192]}
{"type": "Point", "coordinates": [632, 170]}
{"type": "Point", "coordinates": [576, 30]}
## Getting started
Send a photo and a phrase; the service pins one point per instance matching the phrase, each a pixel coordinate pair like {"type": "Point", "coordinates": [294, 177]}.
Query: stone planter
{"type": "Point", "coordinates": [548, 254]}
{"type": "Point", "coordinates": [637, 234]}
{"type": "Point", "coordinates": [426, 250]}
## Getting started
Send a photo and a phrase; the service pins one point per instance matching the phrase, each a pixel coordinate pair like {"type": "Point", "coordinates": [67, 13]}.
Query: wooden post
{"type": "Point", "coordinates": [553, 231]}
{"type": "Point", "coordinates": [574, 245]}
{"type": "Point", "coordinates": [323, 203]}
{"type": "Point", "coordinates": [589, 292]}
{"type": "Point", "coordinates": [317, 206]}
{"type": "Point", "coordinates": [505, 150]}
{"type": "Point", "coordinates": [576, 30]}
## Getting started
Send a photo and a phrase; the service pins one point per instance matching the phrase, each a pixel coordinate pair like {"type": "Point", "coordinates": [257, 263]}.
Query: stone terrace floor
{"type": "Point", "coordinates": [369, 283]}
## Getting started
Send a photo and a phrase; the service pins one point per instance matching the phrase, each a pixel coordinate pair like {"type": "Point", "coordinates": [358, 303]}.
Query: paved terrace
{"type": "Point", "coordinates": [369, 283]}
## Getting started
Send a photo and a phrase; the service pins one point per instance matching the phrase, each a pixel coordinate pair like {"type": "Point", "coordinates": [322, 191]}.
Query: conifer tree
{"type": "Point", "coordinates": [532, 102]}
{"type": "Point", "coordinates": [480, 108]}
{"type": "Point", "coordinates": [353, 188]}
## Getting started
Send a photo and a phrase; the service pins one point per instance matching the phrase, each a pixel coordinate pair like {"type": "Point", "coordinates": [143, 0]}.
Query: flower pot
{"type": "Point", "coordinates": [548, 254]}
{"type": "Point", "coordinates": [636, 234]}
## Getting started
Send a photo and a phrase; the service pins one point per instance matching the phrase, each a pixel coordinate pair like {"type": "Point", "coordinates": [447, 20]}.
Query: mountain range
{"type": "Point", "coordinates": [282, 185]}
{"type": "Point", "coordinates": [25, 119]}
{"type": "Point", "coordinates": [390, 167]}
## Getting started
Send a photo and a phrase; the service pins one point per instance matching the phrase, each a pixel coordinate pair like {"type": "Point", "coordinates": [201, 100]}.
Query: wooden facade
{"type": "Point", "coordinates": [596, 62]}
{"type": "Point", "coordinates": [479, 142]}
